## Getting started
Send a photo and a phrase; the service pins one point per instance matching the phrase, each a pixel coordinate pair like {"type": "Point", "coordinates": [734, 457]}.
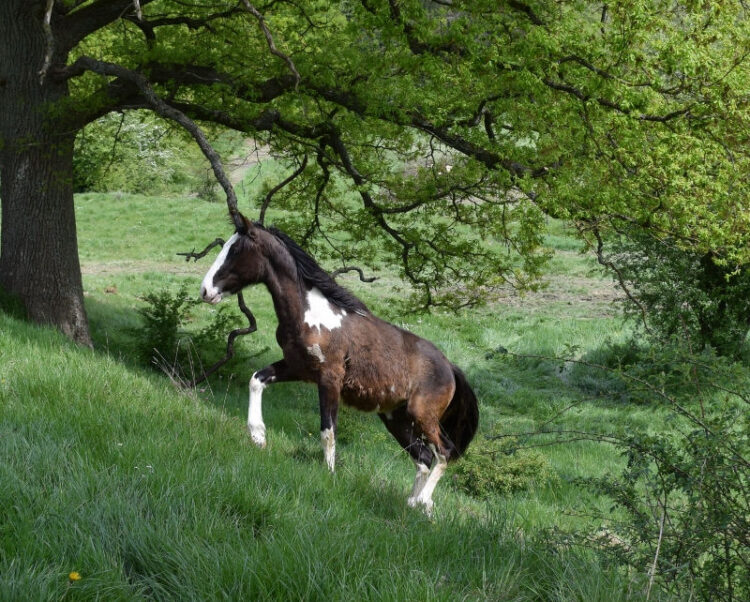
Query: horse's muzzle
{"type": "Point", "coordinates": [213, 298]}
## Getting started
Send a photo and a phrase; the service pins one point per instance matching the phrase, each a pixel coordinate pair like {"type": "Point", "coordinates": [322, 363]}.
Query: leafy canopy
{"type": "Point", "coordinates": [440, 133]}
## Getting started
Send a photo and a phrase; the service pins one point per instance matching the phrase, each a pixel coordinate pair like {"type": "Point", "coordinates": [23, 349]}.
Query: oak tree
{"type": "Point", "coordinates": [437, 134]}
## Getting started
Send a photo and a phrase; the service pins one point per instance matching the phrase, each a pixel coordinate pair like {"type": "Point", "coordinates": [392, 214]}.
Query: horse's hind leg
{"type": "Point", "coordinates": [424, 498]}
{"type": "Point", "coordinates": [276, 372]}
{"type": "Point", "coordinates": [401, 425]}
{"type": "Point", "coordinates": [426, 413]}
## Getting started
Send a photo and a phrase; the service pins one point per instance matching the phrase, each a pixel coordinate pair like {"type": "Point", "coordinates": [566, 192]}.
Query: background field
{"type": "Point", "coordinates": [108, 470]}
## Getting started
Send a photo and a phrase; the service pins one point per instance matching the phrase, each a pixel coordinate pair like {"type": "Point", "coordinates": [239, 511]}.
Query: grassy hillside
{"type": "Point", "coordinates": [108, 470]}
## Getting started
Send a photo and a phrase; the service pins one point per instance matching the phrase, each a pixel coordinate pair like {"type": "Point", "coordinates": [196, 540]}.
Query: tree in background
{"type": "Point", "coordinates": [456, 124]}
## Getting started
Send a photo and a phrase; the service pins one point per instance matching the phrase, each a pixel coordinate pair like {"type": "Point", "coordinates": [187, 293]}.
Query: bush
{"type": "Point", "coordinates": [163, 318]}
{"type": "Point", "coordinates": [164, 343]}
{"type": "Point", "coordinates": [131, 152]}
{"type": "Point", "coordinates": [492, 467]}
{"type": "Point", "coordinates": [681, 505]}
{"type": "Point", "coordinates": [684, 294]}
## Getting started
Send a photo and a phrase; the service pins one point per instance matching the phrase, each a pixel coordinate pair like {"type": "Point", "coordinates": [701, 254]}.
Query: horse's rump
{"type": "Point", "coordinates": [460, 421]}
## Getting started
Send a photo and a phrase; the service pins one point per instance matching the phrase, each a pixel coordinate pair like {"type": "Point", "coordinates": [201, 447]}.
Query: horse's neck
{"type": "Point", "coordinates": [287, 300]}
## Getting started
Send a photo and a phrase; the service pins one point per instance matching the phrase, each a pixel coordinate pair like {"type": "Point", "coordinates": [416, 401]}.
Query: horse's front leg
{"type": "Point", "coordinates": [329, 391]}
{"type": "Point", "coordinates": [274, 373]}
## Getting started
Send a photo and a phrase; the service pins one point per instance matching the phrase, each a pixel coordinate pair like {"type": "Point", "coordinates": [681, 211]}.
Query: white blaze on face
{"type": "Point", "coordinates": [320, 313]}
{"type": "Point", "coordinates": [209, 293]}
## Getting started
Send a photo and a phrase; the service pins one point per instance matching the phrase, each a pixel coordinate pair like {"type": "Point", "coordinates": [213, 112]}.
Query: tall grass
{"type": "Point", "coordinates": [106, 469]}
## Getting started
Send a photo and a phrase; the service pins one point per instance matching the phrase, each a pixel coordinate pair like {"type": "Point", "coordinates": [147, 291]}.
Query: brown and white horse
{"type": "Point", "coordinates": [330, 338]}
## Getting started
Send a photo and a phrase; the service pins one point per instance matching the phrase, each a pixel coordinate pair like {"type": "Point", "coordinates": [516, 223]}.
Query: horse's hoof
{"type": "Point", "coordinates": [424, 505]}
{"type": "Point", "coordinates": [258, 436]}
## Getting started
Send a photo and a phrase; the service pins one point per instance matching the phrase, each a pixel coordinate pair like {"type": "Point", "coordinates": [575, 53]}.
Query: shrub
{"type": "Point", "coordinates": [685, 294]}
{"type": "Point", "coordinates": [136, 152]}
{"type": "Point", "coordinates": [681, 505]}
{"type": "Point", "coordinates": [163, 338]}
{"type": "Point", "coordinates": [492, 467]}
{"type": "Point", "coordinates": [164, 316]}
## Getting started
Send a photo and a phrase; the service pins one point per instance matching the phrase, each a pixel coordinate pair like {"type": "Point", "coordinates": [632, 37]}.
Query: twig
{"type": "Point", "coordinates": [652, 571]}
{"type": "Point", "coordinates": [679, 408]}
{"type": "Point", "coordinates": [196, 256]}
{"type": "Point", "coordinates": [279, 186]}
{"type": "Point", "coordinates": [250, 328]}
{"type": "Point", "coordinates": [352, 268]}
{"type": "Point", "coordinates": [269, 39]}
{"type": "Point", "coordinates": [620, 277]}
{"type": "Point", "coordinates": [167, 111]}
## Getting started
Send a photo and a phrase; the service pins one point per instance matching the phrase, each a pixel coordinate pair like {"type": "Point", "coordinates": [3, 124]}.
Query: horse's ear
{"type": "Point", "coordinates": [239, 221]}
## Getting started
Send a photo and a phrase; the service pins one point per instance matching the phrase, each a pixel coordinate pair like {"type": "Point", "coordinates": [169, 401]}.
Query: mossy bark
{"type": "Point", "coordinates": [38, 242]}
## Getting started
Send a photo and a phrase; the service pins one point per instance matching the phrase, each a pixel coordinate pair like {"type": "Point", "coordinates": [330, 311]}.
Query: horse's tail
{"type": "Point", "coordinates": [461, 418]}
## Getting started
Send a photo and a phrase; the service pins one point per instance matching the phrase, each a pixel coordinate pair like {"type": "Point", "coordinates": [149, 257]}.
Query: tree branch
{"type": "Point", "coordinates": [604, 102]}
{"type": "Point", "coordinates": [269, 39]}
{"type": "Point", "coordinates": [87, 19]}
{"type": "Point", "coordinates": [527, 10]}
{"type": "Point", "coordinates": [165, 110]}
{"type": "Point", "coordinates": [219, 242]}
{"type": "Point", "coordinates": [352, 268]}
{"type": "Point", "coordinates": [279, 186]}
{"type": "Point", "coordinates": [604, 262]}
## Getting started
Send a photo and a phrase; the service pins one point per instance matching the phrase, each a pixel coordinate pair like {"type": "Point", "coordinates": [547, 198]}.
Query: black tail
{"type": "Point", "coordinates": [461, 419]}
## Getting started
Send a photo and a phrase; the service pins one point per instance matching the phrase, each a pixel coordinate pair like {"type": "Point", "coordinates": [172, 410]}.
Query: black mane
{"type": "Point", "coordinates": [314, 276]}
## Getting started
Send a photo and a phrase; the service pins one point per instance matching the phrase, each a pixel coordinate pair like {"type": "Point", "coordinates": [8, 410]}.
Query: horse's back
{"type": "Point", "coordinates": [386, 365]}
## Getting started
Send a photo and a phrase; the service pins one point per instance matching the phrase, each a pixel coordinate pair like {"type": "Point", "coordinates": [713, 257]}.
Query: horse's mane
{"type": "Point", "coordinates": [311, 274]}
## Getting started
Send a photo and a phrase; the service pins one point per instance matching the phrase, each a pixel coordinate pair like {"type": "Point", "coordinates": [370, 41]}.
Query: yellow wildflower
{"type": "Point", "coordinates": [74, 576]}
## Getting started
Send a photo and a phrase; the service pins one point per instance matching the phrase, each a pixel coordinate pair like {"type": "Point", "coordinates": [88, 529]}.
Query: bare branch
{"type": "Point", "coordinates": [196, 256]}
{"type": "Point", "coordinates": [279, 186]}
{"type": "Point", "coordinates": [238, 332]}
{"type": "Point", "coordinates": [352, 268]}
{"type": "Point", "coordinates": [269, 39]}
{"type": "Point", "coordinates": [652, 570]}
{"type": "Point", "coordinates": [158, 105]}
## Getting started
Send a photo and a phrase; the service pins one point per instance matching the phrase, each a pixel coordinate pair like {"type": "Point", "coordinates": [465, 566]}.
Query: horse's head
{"type": "Point", "coordinates": [237, 265]}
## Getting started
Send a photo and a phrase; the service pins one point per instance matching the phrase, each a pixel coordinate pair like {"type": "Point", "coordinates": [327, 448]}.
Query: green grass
{"type": "Point", "coordinates": [107, 469]}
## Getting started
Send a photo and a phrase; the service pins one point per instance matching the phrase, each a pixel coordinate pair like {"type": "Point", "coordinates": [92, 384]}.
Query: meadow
{"type": "Point", "coordinates": [145, 490]}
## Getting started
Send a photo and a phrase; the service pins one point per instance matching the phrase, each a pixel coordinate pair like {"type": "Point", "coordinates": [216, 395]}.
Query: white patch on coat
{"type": "Point", "coordinates": [424, 498]}
{"type": "Point", "coordinates": [316, 352]}
{"type": "Point", "coordinates": [393, 388]}
{"type": "Point", "coordinates": [254, 413]}
{"type": "Point", "coordinates": [328, 439]}
{"type": "Point", "coordinates": [321, 313]}
{"type": "Point", "coordinates": [420, 479]}
{"type": "Point", "coordinates": [209, 293]}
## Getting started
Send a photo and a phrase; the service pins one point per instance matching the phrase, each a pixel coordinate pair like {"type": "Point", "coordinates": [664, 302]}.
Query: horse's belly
{"type": "Point", "coordinates": [372, 399]}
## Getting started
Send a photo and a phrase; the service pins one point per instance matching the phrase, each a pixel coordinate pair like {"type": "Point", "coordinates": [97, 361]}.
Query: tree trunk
{"type": "Point", "coordinates": [38, 243]}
